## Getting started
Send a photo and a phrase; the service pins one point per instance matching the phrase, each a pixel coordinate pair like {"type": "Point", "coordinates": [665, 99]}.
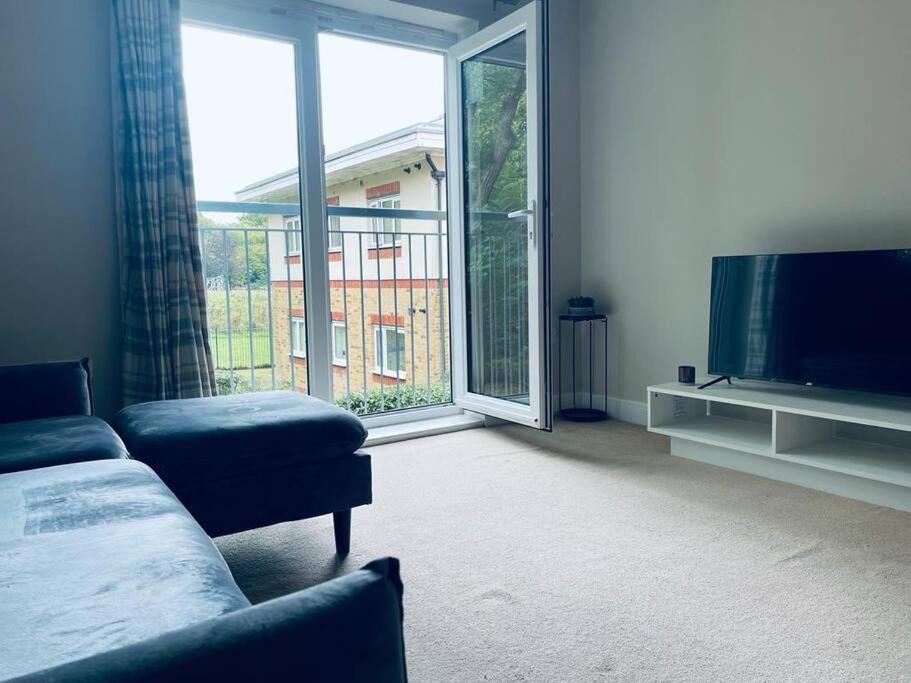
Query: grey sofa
{"type": "Point", "coordinates": [46, 417]}
{"type": "Point", "coordinates": [105, 576]}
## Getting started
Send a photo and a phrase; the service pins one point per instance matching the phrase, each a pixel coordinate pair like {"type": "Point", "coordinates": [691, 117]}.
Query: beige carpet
{"type": "Point", "coordinates": [591, 554]}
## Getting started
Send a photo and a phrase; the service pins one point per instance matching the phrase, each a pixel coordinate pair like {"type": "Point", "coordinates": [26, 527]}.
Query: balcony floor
{"type": "Point", "coordinates": [592, 554]}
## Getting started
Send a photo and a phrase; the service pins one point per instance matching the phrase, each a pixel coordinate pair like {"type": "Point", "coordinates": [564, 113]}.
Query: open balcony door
{"type": "Point", "coordinates": [499, 244]}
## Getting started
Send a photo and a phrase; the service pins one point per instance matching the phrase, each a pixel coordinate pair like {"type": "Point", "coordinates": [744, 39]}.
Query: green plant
{"type": "Point", "coordinates": [581, 302]}
{"type": "Point", "coordinates": [240, 383]}
{"type": "Point", "coordinates": [392, 398]}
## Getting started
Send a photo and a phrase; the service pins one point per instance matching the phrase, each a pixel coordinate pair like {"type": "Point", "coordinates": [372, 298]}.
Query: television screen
{"type": "Point", "coordinates": [840, 319]}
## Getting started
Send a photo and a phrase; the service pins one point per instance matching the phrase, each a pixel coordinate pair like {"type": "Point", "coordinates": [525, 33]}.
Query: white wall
{"type": "Point", "coordinates": [58, 249]}
{"type": "Point", "coordinates": [483, 11]}
{"type": "Point", "coordinates": [715, 128]}
{"type": "Point", "coordinates": [564, 172]}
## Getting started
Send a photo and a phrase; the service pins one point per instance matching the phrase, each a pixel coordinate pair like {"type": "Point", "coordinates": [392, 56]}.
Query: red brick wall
{"type": "Point", "coordinates": [383, 190]}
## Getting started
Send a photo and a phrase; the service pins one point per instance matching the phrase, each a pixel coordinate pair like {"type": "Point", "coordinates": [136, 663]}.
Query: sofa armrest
{"type": "Point", "coordinates": [347, 629]}
{"type": "Point", "coordinates": [32, 392]}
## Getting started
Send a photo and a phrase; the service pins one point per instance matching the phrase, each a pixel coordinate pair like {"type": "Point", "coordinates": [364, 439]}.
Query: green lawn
{"type": "Point", "coordinates": [241, 382]}
{"type": "Point", "coordinates": [240, 348]}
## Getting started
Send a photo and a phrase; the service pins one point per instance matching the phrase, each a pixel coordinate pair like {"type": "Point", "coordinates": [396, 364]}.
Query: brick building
{"type": "Point", "coordinates": [388, 277]}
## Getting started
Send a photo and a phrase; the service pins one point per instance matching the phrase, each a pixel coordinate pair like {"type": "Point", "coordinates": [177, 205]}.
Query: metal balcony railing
{"type": "Point", "coordinates": [388, 292]}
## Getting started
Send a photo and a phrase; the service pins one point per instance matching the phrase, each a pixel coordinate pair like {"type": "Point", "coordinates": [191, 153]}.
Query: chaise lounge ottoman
{"type": "Point", "coordinates": [250, 460]}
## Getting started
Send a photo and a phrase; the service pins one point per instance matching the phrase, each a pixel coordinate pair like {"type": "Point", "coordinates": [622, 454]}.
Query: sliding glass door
{"type": "Point", "coordinates": [388, 241]}
{"type": "Point", "coordinates": [252, 250]}
{"type": "Point", "coordinates": [404, 260]}
{"type": "Point", "coordinates": [352, 287]}
{"type": "Point", "coordinates": [252, 87]}
{"type": "Point", "coordinates": [499, 322]}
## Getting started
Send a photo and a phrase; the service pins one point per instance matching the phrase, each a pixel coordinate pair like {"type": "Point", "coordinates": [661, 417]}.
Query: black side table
{"type": "Point", "coordinates": [589, 414]}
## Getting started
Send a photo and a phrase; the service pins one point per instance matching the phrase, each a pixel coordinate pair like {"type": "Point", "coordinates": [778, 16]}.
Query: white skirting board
{"type": "Point", "coordinates": [624, 410]}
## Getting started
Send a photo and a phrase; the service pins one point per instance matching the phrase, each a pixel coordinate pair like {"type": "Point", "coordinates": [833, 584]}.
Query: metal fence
{"type": "Point", "coordinates": [246, 347]}
{"type": "Point", "coordinates": [388, 290]}
{"type": "Point", "coordinates": [497, 308]}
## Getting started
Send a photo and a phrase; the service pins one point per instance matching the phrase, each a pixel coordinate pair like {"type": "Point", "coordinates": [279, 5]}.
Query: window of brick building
{"type": "Point", "coordinates": [385, 230]}
{"type": "Point", "coordinates": [389, 346]}
{"type": "Point", "coordinates": [298, 337]}
{"type": "Point", "coordinates": [339, 343]}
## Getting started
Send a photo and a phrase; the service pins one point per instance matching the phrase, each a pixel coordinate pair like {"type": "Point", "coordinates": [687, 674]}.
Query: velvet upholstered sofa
{"type": "Point", "coordinates": [105, 575]}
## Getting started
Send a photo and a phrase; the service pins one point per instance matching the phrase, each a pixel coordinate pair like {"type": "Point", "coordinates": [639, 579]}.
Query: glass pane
{"type": "Point", "coordinates": [244, 144]}
{"type": "Point", "coordinates": [339, 342]}
{"type": "Point", "coordinates": [382, 112]}
{"type": "Point", "coordinates": [394, 350]}
{"type": "Point", "coordinates": [496, 182]}
{"type": "Point", "coordinates": [335, 237]}
{"type": "Point", "coordinates": [299, 337]}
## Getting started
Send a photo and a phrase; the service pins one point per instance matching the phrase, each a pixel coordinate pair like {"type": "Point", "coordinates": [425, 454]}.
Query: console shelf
{"type": "Point", "coordinates": [848, 443]}
{"type": "Point", "coordinates": [744, 435]}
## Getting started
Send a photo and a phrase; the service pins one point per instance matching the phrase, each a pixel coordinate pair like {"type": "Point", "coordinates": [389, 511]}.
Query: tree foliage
{"type": "Point", "coordinates": [497, 181]}
{"type": "Point", "coordinates": [226, 253]}
{"type": "Point", "coordinates": [495, 134]}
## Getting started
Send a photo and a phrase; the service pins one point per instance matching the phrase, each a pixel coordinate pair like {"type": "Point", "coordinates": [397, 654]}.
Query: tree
{"type": "Point", "coordinates": [495, 134]}
{"type": "Point", "coordinates": [503, 141]}
{"type": "Point", "coordinates": [496, 168]}
{"type": "Point", "coordinates": [253, 220]}
{"type": "Point", "coordinates": [245, 262]}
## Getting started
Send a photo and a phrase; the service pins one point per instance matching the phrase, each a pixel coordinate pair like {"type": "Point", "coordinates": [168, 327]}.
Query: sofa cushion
{"type": "Point", "coordinates": [45, 390]}
{"type": "Point", "coordinates": [57, 441]}
{"type": "Point", "coordinates": [191, 440]}
{"type": "Point", "coordinates": [98, 555]}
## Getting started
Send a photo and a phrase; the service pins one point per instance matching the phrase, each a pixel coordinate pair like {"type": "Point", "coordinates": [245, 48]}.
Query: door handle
{"type": "Point", "coordinates": [520, 213]}
{"type": "Point", "coordinates": [532, 220]}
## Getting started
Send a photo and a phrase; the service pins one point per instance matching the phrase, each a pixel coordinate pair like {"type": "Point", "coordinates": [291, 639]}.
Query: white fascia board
{"type": "Point", "coordinates": [280, 183]}
{"type": "Point", "coordinates": [415, 141]}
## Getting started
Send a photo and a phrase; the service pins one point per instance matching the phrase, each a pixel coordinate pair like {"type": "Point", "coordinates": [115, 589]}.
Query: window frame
{"type": "Point", "coordinates": [294, 235]}
{"type": "Point", "coordinates": [336, 360]}
{"type": "Point", "coordinates": [380, 350]}
{"type": "Point", "coordinates": [298, 323]}
{"type": "Point", "coordinates": [334, 228]}
{"type": "Point", "coordinates": [302, 29]}
{"type": "Point", "coordinates": [377, 235]}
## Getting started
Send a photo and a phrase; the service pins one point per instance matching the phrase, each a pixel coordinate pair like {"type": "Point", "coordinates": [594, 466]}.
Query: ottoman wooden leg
{"type": "Point", "coordinates": [342, 521]}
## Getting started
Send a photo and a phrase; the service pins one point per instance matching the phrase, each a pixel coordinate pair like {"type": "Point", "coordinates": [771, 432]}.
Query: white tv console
{"type": "Point", "coordinates": [847, 443]}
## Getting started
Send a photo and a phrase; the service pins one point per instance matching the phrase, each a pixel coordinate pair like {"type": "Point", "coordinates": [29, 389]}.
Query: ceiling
{"type": "Point", "coordinates": [483, 11]}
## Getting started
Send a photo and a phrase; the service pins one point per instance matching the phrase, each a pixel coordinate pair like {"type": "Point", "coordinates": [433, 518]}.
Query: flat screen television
{"type": "Point", "coordinates": [838, 319]}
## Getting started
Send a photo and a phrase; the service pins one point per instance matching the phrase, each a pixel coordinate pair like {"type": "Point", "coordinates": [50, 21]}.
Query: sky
{"type": "Point", "coordinates": [241, 101]}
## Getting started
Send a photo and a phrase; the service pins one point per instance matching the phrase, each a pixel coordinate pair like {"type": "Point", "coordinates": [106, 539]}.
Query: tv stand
{"type": "Point", "coordinates": [715, 381]}
{"type": "Point", "coordinates": [848, 443]}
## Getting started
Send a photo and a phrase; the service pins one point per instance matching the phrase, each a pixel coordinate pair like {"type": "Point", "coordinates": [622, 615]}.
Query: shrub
{"type": "Point", "coordinates": [374, 402]}
{"type": "Point", "coordinates": [240, 384]}
{"type": "Point", "coordinates": [392, 399]}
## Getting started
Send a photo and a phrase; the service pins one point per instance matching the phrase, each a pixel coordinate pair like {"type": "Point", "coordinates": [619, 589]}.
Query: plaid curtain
{"type": "Point", "coordinates": [166, 350]}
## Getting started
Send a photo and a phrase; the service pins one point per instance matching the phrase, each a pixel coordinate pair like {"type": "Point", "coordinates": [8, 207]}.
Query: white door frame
{"type": "Point", "coordinates": [301, 29]}
{"type": "Point", "coordinates": [301, 33]}
{"type": "Point", "coordinates": [537, 414]}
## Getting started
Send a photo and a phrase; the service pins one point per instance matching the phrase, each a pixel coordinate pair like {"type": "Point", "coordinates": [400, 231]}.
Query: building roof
{"type": "Point", "coordinates": [398, 148]}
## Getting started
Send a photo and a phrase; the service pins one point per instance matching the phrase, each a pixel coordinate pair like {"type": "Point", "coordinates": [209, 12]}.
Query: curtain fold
{"type": "Point", "coordinates": [165, 342]}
